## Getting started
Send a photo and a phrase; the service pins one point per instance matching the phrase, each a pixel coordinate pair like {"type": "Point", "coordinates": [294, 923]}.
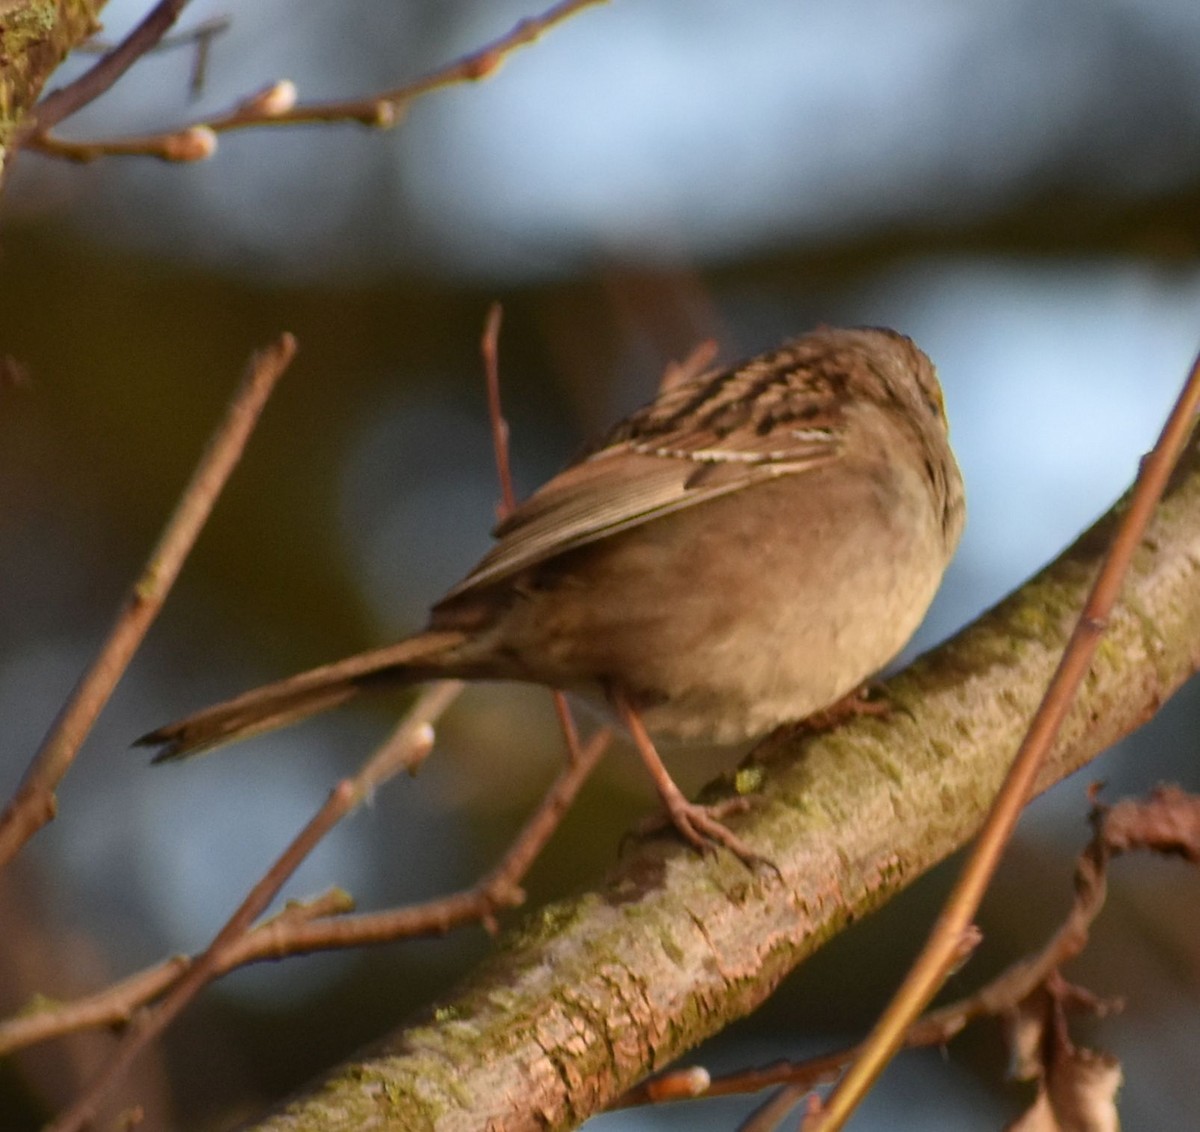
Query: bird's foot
{"type": "Point", "coordinates": [701, 826]}
{"type": "Point", "coordinates": [866, 699]}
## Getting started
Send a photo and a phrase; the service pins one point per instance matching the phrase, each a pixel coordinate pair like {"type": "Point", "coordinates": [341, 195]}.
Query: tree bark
{"type": "Point", "coordinates": [600, 990]}
{"type": "Point", "coordinates": [35, 37]}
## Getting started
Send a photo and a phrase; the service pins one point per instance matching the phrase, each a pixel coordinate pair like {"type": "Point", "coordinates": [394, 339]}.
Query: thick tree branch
{"type": "Point", "coordinates": [605, 988]}
{"type": "Point", "coordinates": [35, 36]}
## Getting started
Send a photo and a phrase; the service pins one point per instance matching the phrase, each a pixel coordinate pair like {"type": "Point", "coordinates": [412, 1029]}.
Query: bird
{"type": "Point", "coordinates": [740, 553]}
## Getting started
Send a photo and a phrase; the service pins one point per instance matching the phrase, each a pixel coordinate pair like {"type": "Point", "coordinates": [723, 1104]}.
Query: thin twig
{"type": "Point", "coordinates": [65, 101]}
{"type": "Point", "coordinates": [115, 1005]}
{"type": "Point", "coordinates": [505, 878]}
{"type": "Point", "coordinates": [408, 744]}
{"type": "Point", "coordinates": [33, 805]}
{"type": "Point", "coordinates": [203, 31]}
{"type": "Point", "coordinates": [499, 889]}
{"type": "Point", "coordinates": [490, 348]}
{"type": "Point", "coordinates": [939, 954]}
{"type": "Point", "coordinates": [200, 37]}
{"type": "Point", "coordinates": [384, 109]}
{"type": "Point", "coordinates": [324, 924]}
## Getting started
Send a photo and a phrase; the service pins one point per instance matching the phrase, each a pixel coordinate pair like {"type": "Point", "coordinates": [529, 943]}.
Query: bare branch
{"type": "Point", "coordinates": [490, 348]}
{"type": "Point", "coordinates": [115, 1005]}
{"type": "Point", "coordinates": [324, 924]}
{"type": "Point", "coordinates": [33, 805]}
{"type": "Point", "coordinates": [382, 109]}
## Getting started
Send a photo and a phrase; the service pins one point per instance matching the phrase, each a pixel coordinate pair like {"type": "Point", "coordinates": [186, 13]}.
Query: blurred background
{"type": "Point", "coordinates": [1016, 186]}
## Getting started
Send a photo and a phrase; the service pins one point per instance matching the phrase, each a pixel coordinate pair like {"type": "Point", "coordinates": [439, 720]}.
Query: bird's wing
{"type": "Point", "coordinates": [716, 434]}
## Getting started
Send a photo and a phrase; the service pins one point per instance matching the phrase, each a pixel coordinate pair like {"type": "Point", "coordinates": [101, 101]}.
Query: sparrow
{"type": "Point", "coordinates": [740, 553]}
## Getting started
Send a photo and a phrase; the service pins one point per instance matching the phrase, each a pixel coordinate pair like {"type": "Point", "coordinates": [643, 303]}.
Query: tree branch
{"type": "Point", "coordinates": [276, 105]}
{"type": "Point", "coordinates": [34, 38]}
{"type": "Point", "coordinates": [98, 78]}
{"type": "Point", "coordinates": [605, 988]}
{"type": "Point", "coordinates": [34, 803]}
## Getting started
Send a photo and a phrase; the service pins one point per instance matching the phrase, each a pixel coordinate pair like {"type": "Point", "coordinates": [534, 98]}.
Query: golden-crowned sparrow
{"type": "Point", "coordinates": [742, 552]}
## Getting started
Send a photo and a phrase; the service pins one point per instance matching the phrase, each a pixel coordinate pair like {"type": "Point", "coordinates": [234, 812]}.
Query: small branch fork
{"type": "Point", "coordinates": [98, 78]}
{"type": "Point", "coordinates": [314, 926]}
{"type": "Point", "coordinates": [406, 748]}
{"type": "Point", "coordinates": [200, 38]}
{"type": "Point", "coordinates": [325, 923]}
{"type": "Point", "coordinates": [1167, 823]}
{"type": "Point", "coordinates": [274, 105]}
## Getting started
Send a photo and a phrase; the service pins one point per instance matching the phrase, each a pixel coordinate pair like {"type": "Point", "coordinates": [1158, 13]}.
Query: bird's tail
{"type": "Point", "coordinates": [422, 657]}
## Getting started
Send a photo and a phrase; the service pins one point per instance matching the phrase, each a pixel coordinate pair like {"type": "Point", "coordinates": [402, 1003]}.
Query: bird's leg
{"type": "Point", "coordinates": [866, 699]}
{"type": "Point", "coordinates": [566, 722]}
{"type": "Point", "coordinates": [696, 823]}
